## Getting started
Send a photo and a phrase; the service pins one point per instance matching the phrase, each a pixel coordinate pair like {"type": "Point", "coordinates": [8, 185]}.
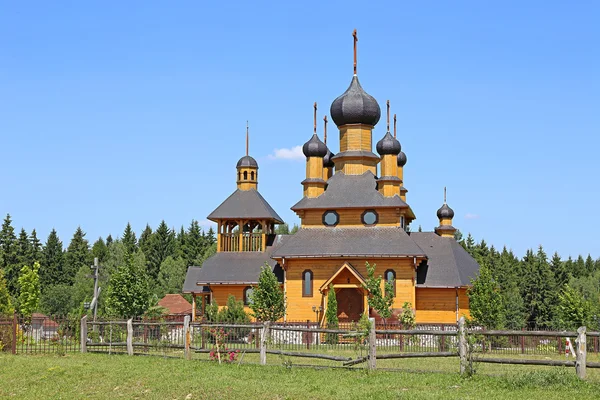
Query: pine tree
{"type": "Point", "coordinates": [210, 236]}
{"type": "Point", "coordinates": [539, 288]}
{"type": "Point", "coordinates": [129, 239]}
{"type": "Point", "coordinates": [590, 266]}
{"type": "Point", "coordinates": [485, 300]}
{"type": "Point", "coordinates": [109, 240]}
{"type": "Point", "coordinates": [195, 244]}
{"type": "Point", "coordinates": [24, 249]}
{"type": "Point", "coordinates": [144, 242]}
{"type": "Point", "coordinates": [36, 247]}
{"type": "Point", "coordinates": [294, 229]}
{"type": "Point", "coordinates": [162, 245]}
{"type": "Point", "coordinates": [51, 270]}
{"type": "Point", "coordinates": [171, 276]}
{"type": "Point", "coordinates": [100, 250]}
{"type": "Point", "coordinates": [470, 244]}
{"type": "Point", "coordinates": [282, 229]}
{"type": "Point", "coordinates": [6, 307]}
{"type": "Point", "coordinates": [561, 274]}
{"type": "Point", "coordinates": [180, 243]}
{"type": "Point", "coordinates": [56, 300]}
{"type": "Point", "coordinates": [8, 255]}
{"type": "Point", "coordinates": [77, 255]}
{"type": "Point", "coordinates": [579, 268]}
{"type": "Point", "coordinates": [331, 316]}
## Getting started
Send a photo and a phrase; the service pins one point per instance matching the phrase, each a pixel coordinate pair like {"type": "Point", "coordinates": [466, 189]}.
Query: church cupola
{"type": "Point", "coordinates": [445, 215]}
{"type": "Point", "coordinates": [401, 163]}
{"type": "Point", "coordinates": [328, 163]}
{"type": "Point", "coordinates": [314, 150]}
{"type": "Point", "coordinates": [247, 169]}
{"type": "Point", "coordinates": [355, 113]}
{"type": "Point", "coordinates": [389, 148]}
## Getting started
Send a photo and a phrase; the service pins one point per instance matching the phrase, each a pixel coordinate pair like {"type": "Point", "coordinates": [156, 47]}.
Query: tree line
{"type": "Point", "coordinates": [135, 271]}
{"type": "Point", "coordinates": [533, 291]}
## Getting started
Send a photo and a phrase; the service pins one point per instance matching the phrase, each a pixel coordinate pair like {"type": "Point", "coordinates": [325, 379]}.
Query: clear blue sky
{"type": "Point", "coordinates": [135, 111]}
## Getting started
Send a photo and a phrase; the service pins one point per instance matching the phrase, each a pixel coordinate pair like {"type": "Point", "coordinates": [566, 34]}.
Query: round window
{"type": "Point", "coordinates": [331, 218]}
{"type": "Point", "coordinates": [369, 217]}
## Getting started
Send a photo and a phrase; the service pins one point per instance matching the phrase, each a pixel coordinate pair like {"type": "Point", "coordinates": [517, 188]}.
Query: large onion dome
{"type": "Point", "coordinates": [388, 145]}
{"type": "Point", "coordinates": [401, 159]}
{"type": "Point", "coordinates": [327, 160]}
{"type": "Point", "coordinates": [314, 147]}
{"type": "Point", "coordinates": [355, 106]}
{"type": "Point", "coordinates": [247, 161]}
{"type": "Point", "coordinates": [445, 212]}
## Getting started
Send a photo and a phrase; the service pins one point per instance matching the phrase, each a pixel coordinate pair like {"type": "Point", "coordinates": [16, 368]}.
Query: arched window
{"type": "Point", "coordinates": [307, 283]}
{"type": "Point", "coordinates": [248, 295]}
{"type": "Point", "coordinates": [252, 175]}
{"type": "Point", "coordinates": [239, 176]}
{"type": "Point", "coordinates": [245, 175]}
{"type": "Point", "coordinates": [390, 276]}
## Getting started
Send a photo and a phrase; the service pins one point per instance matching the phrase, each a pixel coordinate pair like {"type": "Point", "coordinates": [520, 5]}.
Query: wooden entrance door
{"type": "Point", "coordinates": [350, 304]}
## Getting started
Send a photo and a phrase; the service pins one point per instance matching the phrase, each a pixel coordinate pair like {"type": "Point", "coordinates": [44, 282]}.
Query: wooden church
{"type": "Point", "coordinates": [354, 210]}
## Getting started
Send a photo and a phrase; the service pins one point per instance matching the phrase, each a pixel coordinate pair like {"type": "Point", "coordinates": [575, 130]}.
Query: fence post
{"type": "Point", "coordinates": [83, 334]}
{"type": "Point", "coordinates": [130, 336]}
{"type": "Point", "coordinates": [522, 343]}
{"type": "Point", "coordinates": [308, 335]}
{"type": "Point", "coordinates": [581, 353]}
{"type": "Point", "coordinates": [186, 332]}
{"type": "Point", "coordinates": [372, 345]}
{"type": "Point", "coordinates": [462, 345]}
{"type": "Point", "coordinates": [15, 325]}
{"type": "Point", "coordinates": [264, 333]}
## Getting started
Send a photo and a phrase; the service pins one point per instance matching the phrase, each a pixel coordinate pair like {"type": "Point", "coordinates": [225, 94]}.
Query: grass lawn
{"type": "Point", "coordinates": [99, 376]}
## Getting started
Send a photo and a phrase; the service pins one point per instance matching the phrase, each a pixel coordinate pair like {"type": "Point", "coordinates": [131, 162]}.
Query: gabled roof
{"type": "Point", "coordinates": [231, 268]}
{"type": "Point", "coordinates": [245, 204]}
{"type": "Point", "coordinates": [447, 265]}
{"type": "Point", "coordinates": [350, 191]}
{"type": "Point", "coordinates": [349, 242]}
{"type": "Point", "coordinates": [175, 304]}
{"type": "Point", "coordinates": [345, 267]}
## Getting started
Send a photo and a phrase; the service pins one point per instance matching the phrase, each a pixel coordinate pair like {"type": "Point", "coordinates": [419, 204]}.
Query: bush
{"type": "Point", "coordinates": [232, 313]}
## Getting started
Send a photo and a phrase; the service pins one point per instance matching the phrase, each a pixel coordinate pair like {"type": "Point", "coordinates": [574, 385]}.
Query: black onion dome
{"type": "Point", "coordinates": [314, 147]}
{"type": "Point", "coordinates": [355, 106]}
{"type": "Point", "coordinates": [401, 159]}
{"type": "Point", "coordinates": [445, 212]}
{"type": "Point", "coordinates": [327, 160]}
{"type": "Point", "coordinates": [247, 161]}
{"type": "Point", "coordinates": [388, 145]}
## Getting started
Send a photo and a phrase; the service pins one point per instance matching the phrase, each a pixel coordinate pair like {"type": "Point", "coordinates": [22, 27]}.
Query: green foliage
{"type": "Point", "coordinates": [485, 300]}
{"type": "Point", "coordinates": [538, 287]}
{"type": "Point", "coordinates": [161, 246]}
{"type": "Point", "coordinates": [51, 271]}
{"type": "Point", "coordinates": [171, 276]}
{"type": "Point", "coordinates": [573, 309]}
{"type": "Point", "coordinates": [29, 285]}
{"type": "Point", "coordinates": [56, 299]}
{"type": "Point", "coordinates": [100, 250]}
{"type": "Point", "coordinates": [331, 316]}
{"type": "Point", "coordinates": [77, 255]}
{"type": "Point", "coordinates": [380, 301]}
{"type": "Point", "coordinates": [8, 255]}
{"type": "Point", "coordinates": [233, 312]}
{"type": "Point", "coordinates": [407, 317]}
{"type": "Point", "coordinates": [128, 294]}
{"type": "Point", "coordinates": [129, 239]}
{"type": "Point", "coordinates": [6, 307]}
{"type": "Point", "coordinates": [267, 300]}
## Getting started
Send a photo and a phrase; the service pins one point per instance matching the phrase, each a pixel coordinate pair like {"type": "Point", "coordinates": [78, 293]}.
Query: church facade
{"type": "Point", "coordinates": [353, 210]}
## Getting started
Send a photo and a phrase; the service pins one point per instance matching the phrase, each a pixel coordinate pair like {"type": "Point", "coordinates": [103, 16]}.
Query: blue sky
{"type": "Point", "coordinates": [135, 111]}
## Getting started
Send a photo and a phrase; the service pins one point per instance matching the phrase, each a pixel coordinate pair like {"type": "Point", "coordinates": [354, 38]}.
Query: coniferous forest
{"type": "Point", "coordinates": [535, 290]}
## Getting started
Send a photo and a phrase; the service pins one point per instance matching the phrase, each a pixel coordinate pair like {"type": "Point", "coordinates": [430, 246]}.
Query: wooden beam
{"type": "Point", "coordinates": [193, 306]}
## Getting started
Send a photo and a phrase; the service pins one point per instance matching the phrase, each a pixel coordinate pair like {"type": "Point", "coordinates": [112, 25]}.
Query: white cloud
{"type": "Point", "coordinates": [471, 216]}
{"type": "Point", "coordinates": [295, 154]}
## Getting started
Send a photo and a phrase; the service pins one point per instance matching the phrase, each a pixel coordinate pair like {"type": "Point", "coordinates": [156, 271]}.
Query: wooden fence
{"type": "Point", "coordinates": [345, 348]}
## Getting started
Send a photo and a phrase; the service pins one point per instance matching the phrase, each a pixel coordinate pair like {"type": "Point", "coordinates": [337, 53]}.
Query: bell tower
{"type": "Point", "coordinates": [247, 169]}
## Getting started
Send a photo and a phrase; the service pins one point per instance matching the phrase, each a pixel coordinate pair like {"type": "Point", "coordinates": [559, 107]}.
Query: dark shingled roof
{"type": "Point", "coordinates": [247, 161]}
{"type": "Point", "coordinates": [233, 268]}
{"type": "Point", "coordinates": [355, 106]}
{"type": "Point", "coordinates": [350, 191]}
{"type": "Point", "coordinates": [448, 264]}
{"type": "Point", "coordinates": [388, 145]}
{"type": "Point", "coordinates": [245, 204]}
{"type": "Point", "coordinates": [349, 242]}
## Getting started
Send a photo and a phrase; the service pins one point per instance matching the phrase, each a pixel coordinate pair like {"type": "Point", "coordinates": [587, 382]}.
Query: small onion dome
{"type": "Point", "coordinates": [247, 161]}
{"type": "Point", "coordinates": [388, 145]}
{"type": "Point", "coordinates": [401, 159]}
{"type": "Point", "coordinates": [445, 212]}
{"type": "Point", "coordinates": [327, 160]}
{"type": "Point", "coordinates": [355, 106]}
{"type": "Point", "coordinates": [314, 147]}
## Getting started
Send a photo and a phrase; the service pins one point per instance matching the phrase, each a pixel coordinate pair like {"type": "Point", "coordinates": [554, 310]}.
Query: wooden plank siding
{"type": "Point", "coordinates": [299, 308]}
{"type": "Point", "coordinates": [437, 305]}
{"type": "Point", "coordinates": [352, 218]}
{"type": "Point", "coordinates": [220, 293]}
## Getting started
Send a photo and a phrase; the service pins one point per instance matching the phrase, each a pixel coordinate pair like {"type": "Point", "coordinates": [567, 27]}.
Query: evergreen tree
{"type": "Point", "coordinates": [77, 255]}
{"type": "Point", "coordinates": [485, 300]}
{"type": "Point", "coordinates": [590, 265]}
{"type": "Point", "coordinates": [458, 236]}
{"type": "Point", "coordinates": [539, 288]}
{"type": "Point", "coordinates": [82, 291]}
{"type": "Point", "coordinates": [180, 242]}
{"type": "Point", "coordinates": [56, 299]}
{"type": "Point", "coordinates": [100, 250]}
{"type": "Point", "coordinates": [294, 229]}
{"type": "Point", "coordinates": [282, 229]}
{"type": "Point", "coordinates": [29, 290]}
{"type": "Point", "coordinates": [470, 244]}
{"type": "Point", "coordinates": [6, 307]}
{"type": "Point", "coordinates": [36, 247]}
{"type": "Point", "coordinates": [145, 241]}
{"type": "Point", "coordinates": [331, 316]}
{"type": "Point", "coordinates": [267, 300]}
{"type": "Point", "coordinates": [579, 268]}
{"type": "Point", "coordinates": [162, 245]}
{"type": "Point", "coordinates": [171, 276]}
{"type": "Point", "coordinates": [51, 271]}
{"type": "Point", "coordinates": [195, 244]}
{"type": "Point", "coordinates": [561, 273]}
{"type": "Point", "coordinates": [210, 237]}
{"type": "Point", "coordinates": [574, 310]}
{"type": "Point", "coordinates": [8, 255]}
{"type": "Point", "coordinates": [513, 307]}
{"type": "Point", "coordinates": [129, 239]}
{"type": "Point", "coordinates": [109, 240]}
{"type": "Point", "coordinates": [24, 249]}
{"type": "Point", "coordinates": [128, 294]}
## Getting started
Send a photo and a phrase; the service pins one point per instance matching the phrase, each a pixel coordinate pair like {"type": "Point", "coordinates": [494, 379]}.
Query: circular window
{"type": "Point", "coordinates": [370, 217]}
{"type": "Point", "coordinates": [331, 218]}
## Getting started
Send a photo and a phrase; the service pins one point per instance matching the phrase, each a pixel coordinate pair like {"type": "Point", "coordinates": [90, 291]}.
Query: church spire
{"type": "Point", "coordinates": [247, 168]}
{"type": "Point", "coordinates": [445, 215]}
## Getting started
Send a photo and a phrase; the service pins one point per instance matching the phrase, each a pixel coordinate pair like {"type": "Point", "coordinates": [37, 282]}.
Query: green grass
{"type": "Point", "coordinates": [98, 376]}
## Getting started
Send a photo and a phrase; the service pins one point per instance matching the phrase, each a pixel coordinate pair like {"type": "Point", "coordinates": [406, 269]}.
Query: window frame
{"type": "Point", "coordinates": [312, 281]}
{"type": "Point", "coordinates": [337, 217]}
{"type": "Point", "coordinates": [393, 281]}
{"type": "Point", "coordinates": [245, 175]}
{"type": "Point", "coordinates": [362, 217]}
{"type": "Point", "coordinates": [246, 298]}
